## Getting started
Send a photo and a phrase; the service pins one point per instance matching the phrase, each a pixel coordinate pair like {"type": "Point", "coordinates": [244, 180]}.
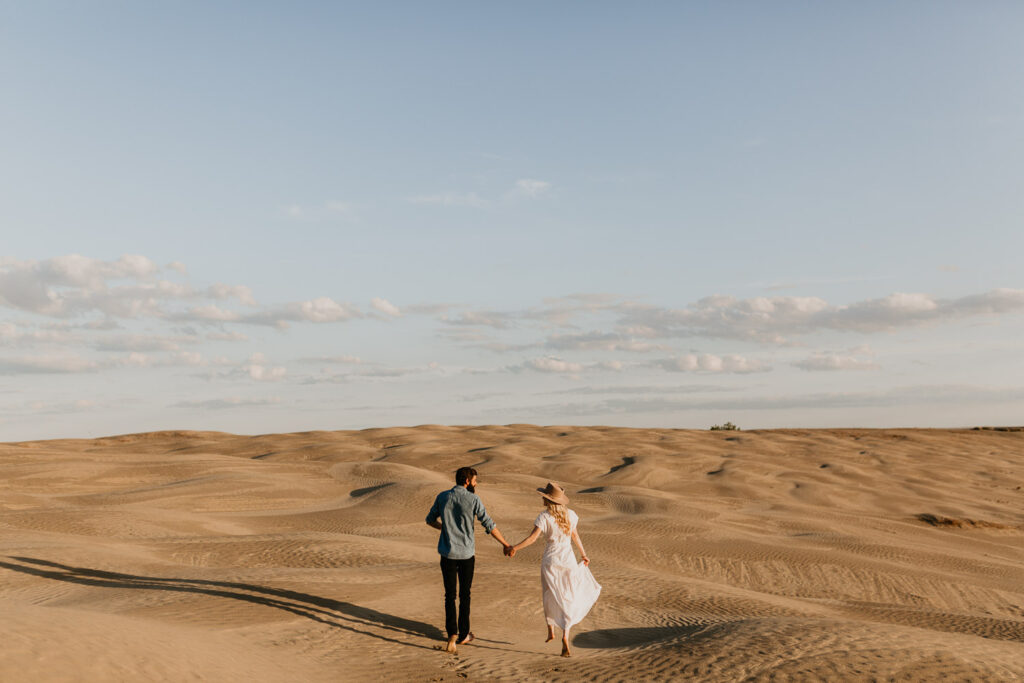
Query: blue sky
{"type": "Point", "coordinates": [257, 217]}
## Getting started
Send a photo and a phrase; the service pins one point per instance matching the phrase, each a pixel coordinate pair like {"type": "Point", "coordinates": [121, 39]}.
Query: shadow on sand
{"type": "Point", "coordinates": [334, 613]}
{"type": "Point", "coordinates": [608, 638]}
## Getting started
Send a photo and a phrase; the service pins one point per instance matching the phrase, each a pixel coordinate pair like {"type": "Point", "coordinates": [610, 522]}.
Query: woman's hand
{"type": "Point", "coordinates": [586, 561]}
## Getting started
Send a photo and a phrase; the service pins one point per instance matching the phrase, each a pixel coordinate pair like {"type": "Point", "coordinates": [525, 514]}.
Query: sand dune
{"type": "Point", "coordinates": [771, 555]}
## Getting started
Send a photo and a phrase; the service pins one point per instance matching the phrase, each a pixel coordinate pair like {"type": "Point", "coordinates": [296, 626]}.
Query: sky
{"type": "Point", "coordinates": [264, 217]}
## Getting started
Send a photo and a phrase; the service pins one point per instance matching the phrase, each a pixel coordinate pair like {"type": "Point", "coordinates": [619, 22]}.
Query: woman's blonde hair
{"type": "Point", "coordinates": [561, 515]}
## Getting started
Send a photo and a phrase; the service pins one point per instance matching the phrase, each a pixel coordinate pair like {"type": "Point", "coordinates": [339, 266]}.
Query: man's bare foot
{"type": "Point", "coordinates": [551, 634]}
{"type": "Point", "coordinates": [467, 639]}
{"type": "Point", "coordinates": [450, 647]}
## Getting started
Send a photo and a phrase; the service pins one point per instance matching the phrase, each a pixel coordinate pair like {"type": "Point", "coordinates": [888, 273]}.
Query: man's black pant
{"type": "Point", "coordinates": [462, 572]}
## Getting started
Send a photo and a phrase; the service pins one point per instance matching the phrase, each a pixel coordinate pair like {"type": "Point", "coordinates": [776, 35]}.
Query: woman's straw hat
{"type": "Point", "coordinates": [554, 493]}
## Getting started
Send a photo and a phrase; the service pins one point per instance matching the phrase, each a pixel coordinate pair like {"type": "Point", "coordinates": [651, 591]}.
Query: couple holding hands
{"type": "Point", "coordinates": [569, 589]}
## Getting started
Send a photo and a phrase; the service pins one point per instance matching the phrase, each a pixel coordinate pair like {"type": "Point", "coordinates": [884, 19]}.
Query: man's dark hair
{"type": "Point", "coordinates": [463, 475]}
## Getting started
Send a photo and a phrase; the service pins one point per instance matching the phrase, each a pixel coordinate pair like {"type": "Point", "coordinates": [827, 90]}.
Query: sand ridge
{"type": "Point", "coordinates": [765, 555]}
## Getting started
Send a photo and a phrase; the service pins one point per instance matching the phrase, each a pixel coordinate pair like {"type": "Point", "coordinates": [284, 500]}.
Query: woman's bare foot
{"type": "Point", "coordinates": [450, 647]}
{"type": "Point", "coordinates": [551, 634]}
{"type": "Point", "coordinates": [566, 652]}
{"type": "Point", "coordinates": [467, 639]}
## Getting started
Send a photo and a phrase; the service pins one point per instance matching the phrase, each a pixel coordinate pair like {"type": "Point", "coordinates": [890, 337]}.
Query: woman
{"type": "Point", "coordinates": [569, 589]}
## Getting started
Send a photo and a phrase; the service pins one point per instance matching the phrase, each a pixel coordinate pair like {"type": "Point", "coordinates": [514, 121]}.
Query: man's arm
{"type": "Point", "coordinates": [434, 514]}
{"type": "Point", "coordinates": [489, 526]}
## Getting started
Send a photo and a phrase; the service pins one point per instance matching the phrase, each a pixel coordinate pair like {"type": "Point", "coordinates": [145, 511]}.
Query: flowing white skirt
{"type": "Point", "coordinates": [569, 589]}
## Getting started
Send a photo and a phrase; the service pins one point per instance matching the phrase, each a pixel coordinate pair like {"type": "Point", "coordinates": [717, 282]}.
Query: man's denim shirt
{"type": "Point", "coordinates": [457, 507]}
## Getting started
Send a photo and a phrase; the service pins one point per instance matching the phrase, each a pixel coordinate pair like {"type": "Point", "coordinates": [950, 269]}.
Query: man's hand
{"type": "Point", "coordinates": [509, 551]}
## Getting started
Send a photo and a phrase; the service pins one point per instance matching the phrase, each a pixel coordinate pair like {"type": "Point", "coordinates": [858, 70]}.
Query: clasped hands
{"type": "Point", "coordinates": [509, 550]}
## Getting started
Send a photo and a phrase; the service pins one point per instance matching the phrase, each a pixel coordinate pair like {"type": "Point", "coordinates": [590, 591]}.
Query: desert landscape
{"type": "Point", "coordinates": [724, 555]}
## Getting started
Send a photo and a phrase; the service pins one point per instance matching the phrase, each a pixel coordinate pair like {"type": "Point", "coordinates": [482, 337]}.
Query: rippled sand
{"type": "Point", "coordinates": [772, 555]}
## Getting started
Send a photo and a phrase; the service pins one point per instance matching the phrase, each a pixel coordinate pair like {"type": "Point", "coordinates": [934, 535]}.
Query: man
{"type": "Point", "coordinates": [456, 509]}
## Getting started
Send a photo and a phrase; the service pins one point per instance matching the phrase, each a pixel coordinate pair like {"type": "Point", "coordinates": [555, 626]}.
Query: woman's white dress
{"type": "Point", "coordinates": [568, 586]}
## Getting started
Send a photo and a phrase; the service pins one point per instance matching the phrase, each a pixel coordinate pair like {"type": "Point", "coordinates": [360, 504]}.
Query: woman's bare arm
{"type": "Point", "coordinates": [526, 541]}
{"type": "Point", "coordinates": [579, 544]}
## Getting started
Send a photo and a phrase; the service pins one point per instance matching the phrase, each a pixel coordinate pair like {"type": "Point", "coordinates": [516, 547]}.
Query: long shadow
{"type": "Point", "coordinates": [626, 637]}
{"type": "Point", "coordinates": [334, 613]}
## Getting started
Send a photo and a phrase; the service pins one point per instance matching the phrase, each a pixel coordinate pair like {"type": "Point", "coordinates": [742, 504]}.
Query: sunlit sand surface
{"type": "Point", "coordinates": [772, 555]}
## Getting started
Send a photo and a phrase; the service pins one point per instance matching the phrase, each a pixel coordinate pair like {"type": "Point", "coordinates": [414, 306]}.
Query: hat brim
{"type": "Point", "coordinates": [564, 500]}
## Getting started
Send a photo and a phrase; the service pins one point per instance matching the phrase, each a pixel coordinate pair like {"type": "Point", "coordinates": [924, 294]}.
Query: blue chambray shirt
{"type": "Point", "coordinates": [457, 507]}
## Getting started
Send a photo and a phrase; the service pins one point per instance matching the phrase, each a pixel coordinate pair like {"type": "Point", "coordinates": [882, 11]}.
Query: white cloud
{"type": "Point", "coordinates": [55, 407]}
{"type": "Point", "coordinates": [556, 312]}
{"type": "Point", "coordinates": [600, 341]}
{"type": "Point", "coordinates": [47, 364]}
{"type": "Point", "coordinates": [344, 359]}
{"type": "Point", "coordinates": [78, 270]}
{"type": "Point", "coordinates": [385, 306]}
{"type": "Point", "coordinates": [636, 328]}
{"type": "Point", "coordinates": [12, 335]}
{"type": "Point", "coordinates": [858, 358]}
{"type": "Point", "coordinates": [220, 290]}
{"type": "Point", "coordinates": [73, 284]}
{"type": "Point", "coordinates": [260, 370]}
{"type": "Point", "coordinates": [774, 319]}
{"type": "Point", "coordinates": [331, 208]}
{"type": "Point", "coordinates": [320, 310]}
{"type": "Point", "coordinates": [135, 360]}
{"type": "Point", "coordinates": [524, 188]}
{"type": "Point", "coordinates": [827, 361]}
{"type": "Point", "coordinates": [647, 389]}
{"type": "Point", "coordinates": [486, 318]}
{"type": "Point", "coordinates": [552, 364]}
{"type": "Point", "coordinates": [76, 285]}
{"type": "Point", "coordinates": [73, 363]}
{"type": "Point", "coordinates": [530, 188]}
{"type": "Point", "coordinates": [710, 363]}
{"type": "Point", "coordinates": [428, 309]}
{"type": "Point", "coordinates": [464, 335]}
{"type": "Point", "coordinates": [142, 342]}
{"type": "Point", "coordinates": [187, 358]}
{"type": "Point", "coordinates": [761, 318]}
{"type": "Point", "coordinates": [209, 313]}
